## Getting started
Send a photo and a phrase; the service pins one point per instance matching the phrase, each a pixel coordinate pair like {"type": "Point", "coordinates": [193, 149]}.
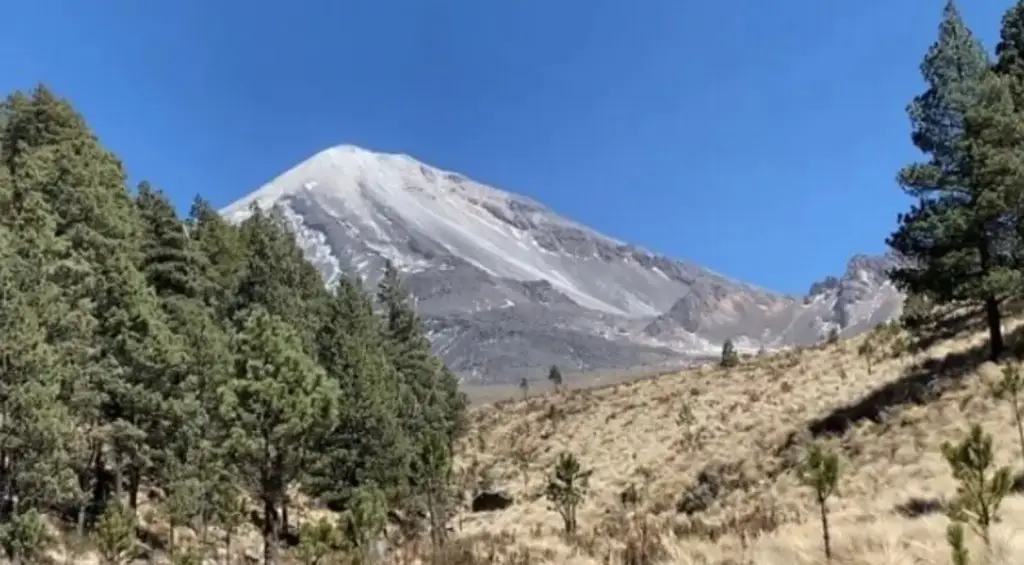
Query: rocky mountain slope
{"type": "Point", "coordinates": [507, 287]}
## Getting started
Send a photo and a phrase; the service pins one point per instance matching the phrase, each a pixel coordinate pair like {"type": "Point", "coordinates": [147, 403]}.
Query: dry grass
{"type": "Point", "coordinates": [750, 424]}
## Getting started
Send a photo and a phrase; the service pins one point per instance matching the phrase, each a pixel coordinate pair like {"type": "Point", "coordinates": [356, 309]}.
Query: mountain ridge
{"type": "Point", "coordinates": [508, 287]}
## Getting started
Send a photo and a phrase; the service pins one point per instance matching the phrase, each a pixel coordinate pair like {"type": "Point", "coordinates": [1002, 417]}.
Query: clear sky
{"type": "Point", "coordinates": [758, 138]}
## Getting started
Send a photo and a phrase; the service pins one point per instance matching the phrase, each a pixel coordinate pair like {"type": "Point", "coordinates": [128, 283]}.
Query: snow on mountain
{"type": "Point", "coordinates": [507, 287]}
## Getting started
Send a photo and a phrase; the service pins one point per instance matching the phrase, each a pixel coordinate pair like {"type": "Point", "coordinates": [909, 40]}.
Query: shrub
{"type": "Point", "coordinates": [567, 489]}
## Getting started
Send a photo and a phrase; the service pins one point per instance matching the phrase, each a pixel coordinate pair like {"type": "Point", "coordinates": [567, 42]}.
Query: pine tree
{"type": "Point", "coordinates": [273, 404]}
{"type": "Point", "coordinates": [35, 428]}
{"type": "Point", "coordinates": [430, 390]}
{"type": "Point", "coordinates": [319, 541]}
{"type": "Point", "coordinates": [220, 244]}
{"type": "Point", "coordinates": [171, 260]}
{"type": "Point", "coordinates": [820, 471]}
{"type": "Point", "coordinates": [567, 488]}
{"type": "Point", "coordinates": [730, 358]}
{"type": "Point", "coordinates": [1009, 67]}
{"type": "Point", "coordinates": [555, 376]}
{"type": "Point", "coordinates": [277, 277]}
{"type": "Point", "coordinates": [952, 236]}
{"type": "Point", "coordinates": [1010, 51]}
{"type": "Point", "coordinates": [183, 279]}
{"type": "Point", "coordinates": [364, 521]}
{"type": "Point", "coordinates": [367, 441]}
{"type": "Point", "coordinates": [110, 339]}
{"type": "Point", "coordinates": [979, 494]}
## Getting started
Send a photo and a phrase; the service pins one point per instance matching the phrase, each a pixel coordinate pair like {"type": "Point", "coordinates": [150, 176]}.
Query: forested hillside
{"type": "Point", "coordinates": [203, 363]}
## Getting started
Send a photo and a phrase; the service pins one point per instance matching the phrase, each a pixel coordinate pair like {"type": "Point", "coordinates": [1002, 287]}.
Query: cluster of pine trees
{"type": "Point", "coordinates": [963, 239]}
{"type": "Point", "coordinates": [199, 360]}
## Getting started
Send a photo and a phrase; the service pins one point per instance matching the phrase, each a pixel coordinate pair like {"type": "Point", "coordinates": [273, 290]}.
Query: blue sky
{"type": "Point", "coordinates": [760, 139]}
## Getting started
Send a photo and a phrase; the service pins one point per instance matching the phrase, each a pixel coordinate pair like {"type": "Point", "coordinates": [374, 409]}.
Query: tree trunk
{"type": "Point", "coordinates": [118, 476]}
{"type": "Point", "coordinates": [134, 481]}
{"type": "Point", "coordinates": [824, 530]}
{"type": "Point", "coordinates": [227, 548]}
{"type": "Point", "coordinates": [995, 328]}
{"type": "Point", "coordinates": [16, 554]}
{"type": "Point", "coordinates": [284, 516]}
{"type": "Point", "coordinates": [270, 532]}
{"type": "Point", "coordinates": [99, 487]}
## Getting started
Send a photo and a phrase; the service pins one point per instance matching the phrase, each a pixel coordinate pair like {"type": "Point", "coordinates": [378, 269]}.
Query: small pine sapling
{"type": "Point", "coordinates": [524, 455]}
{"type": "Point", "coordinates": [319, 541]}
{"type": "Point", "coordinates": [685, 419]}
{"type": "Point", "coordinates": [524, 387]}
{"type": "Point", "coordinates": [567, 488]}
{"type": "Point", "coordinates": [957, 547]}
{"type": "Point", "coordinates": [820, 471]}
{"type": "Point", "coordinates": [978, 496]}
{"type": "Point", "coordinates": [867, 351]}
{"type": "Point", "coordinates": [24, 537]}
{"type": "Point", "coordinates": [833, 336]}
{"type": "Point", "coordinates": [555, 376]}
{"type": "Point", "coordinates": [115, 535]}
{"type": "Point", "coordinates": [730, 358]}
{"type": "Point", "coordinates": [1009, 388]}
{"type": "Point", "coordinates": [364, 521]}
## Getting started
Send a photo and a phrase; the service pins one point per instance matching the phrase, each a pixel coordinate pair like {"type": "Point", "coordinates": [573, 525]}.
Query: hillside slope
{"type": "Point", "coordinates": [508, 287]}
{"type": "Point", "coordinates": [721, 487]}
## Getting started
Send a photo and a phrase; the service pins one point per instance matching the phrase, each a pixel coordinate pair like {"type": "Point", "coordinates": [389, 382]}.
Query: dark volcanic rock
{"type": "Point", "coordinates": [489, 501]}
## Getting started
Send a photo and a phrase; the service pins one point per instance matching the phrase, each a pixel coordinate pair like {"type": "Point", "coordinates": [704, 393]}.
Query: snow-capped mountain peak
{"type": "Point", "coordinates": [506, 285]}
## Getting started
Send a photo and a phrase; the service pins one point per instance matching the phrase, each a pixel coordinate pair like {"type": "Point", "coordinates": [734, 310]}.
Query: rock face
{"type": "Point", "coordinates": [508, 288]}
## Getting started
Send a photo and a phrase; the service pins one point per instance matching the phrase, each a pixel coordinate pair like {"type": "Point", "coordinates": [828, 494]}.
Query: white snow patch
{"type": "Point", "coordinates": [355, 184]}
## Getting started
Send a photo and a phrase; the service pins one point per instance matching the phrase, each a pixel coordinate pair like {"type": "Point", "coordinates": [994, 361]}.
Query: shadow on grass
{"type": "Point", "coordinates": [921, 384]}
{"type": "Point", "coordinates": [917, 507]}
{"type": "Point", "coordinates": [946, 326]}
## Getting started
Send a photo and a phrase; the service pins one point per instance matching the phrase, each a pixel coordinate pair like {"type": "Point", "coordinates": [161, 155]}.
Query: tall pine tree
{"type": "Point", "coordinates": [952, 236]}
{"type": "Point", "coordinates": [273, 405]}
{"type": "Point", "coordinates": [366, 443]}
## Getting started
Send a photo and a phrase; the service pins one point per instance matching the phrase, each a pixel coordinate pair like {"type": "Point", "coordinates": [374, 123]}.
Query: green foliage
{"type": "Point", "coordinates": [730, 358]}
{"type": "Point", "coordinates": [186, 556]}
{"type": "Point", "coordinates": [319, 542]}
{"type": "Point", "coordinates": [203, 359]}
{"type": "Point", "coordinates": [955, 238]}
{"type": "Point", "coordinates": [833, 336]}
{"type": "Point", "coordinates": [115, 536]}
{"type": "Point", "coordinates": [24, 537]}
{"type": "Point", "coordinates": [978, 495]}
{"type": "Point", "coordinates": [917, 310]}
{"type": "Point", "coordinates": [275, 401]}
{"type": "Point", "coordinates": [957, 547]}
{"type": "Point", "coordinates": [555, 376]}
{"type": "Point", "coordinates": [567, 488]}
{"type": "Point", "coordinates": [524, 386]}
{"type": "Point", "coordinates": [364, 521]}
{"type": "Point", "coordinates": [820, 471]}
{"type": "Point", "coordinates": [866, 349]}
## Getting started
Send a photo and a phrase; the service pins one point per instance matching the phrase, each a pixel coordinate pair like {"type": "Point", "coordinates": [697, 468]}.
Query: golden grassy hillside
{"type": "Point", "coordinates": [732, 462]}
